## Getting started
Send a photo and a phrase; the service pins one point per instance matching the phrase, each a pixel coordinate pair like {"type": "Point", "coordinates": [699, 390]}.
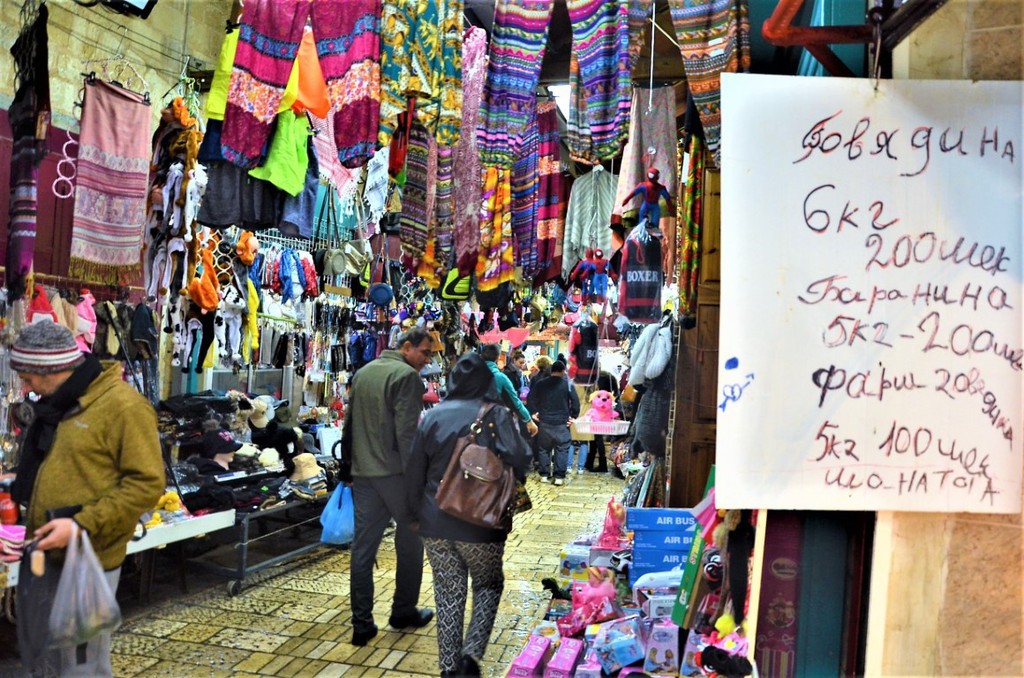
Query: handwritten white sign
{"type": "Point", "coordinates": [871, 328]}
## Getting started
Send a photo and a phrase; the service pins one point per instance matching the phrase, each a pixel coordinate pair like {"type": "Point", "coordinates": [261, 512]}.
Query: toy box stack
{"type": "Point", "coordinates": [661, 539]}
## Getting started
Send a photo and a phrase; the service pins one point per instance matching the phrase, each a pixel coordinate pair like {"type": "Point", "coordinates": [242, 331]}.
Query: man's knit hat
{"type": "Point", "coordinates": [45, 348]}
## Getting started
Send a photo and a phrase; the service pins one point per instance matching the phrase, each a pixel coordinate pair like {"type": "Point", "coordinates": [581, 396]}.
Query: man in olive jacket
{"type": "Point", "coordinates": [385, 406]}
{"type": "Point", "coordinates": [90, 457]}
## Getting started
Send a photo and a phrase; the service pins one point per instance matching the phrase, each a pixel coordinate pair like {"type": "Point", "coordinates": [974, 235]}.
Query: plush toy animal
{"type": "Point", "coordinates": [602, 407]}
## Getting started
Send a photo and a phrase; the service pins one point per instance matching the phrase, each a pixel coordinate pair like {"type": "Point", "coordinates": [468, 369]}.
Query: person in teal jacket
{"type": "Point", "coordinates": [508, 392]}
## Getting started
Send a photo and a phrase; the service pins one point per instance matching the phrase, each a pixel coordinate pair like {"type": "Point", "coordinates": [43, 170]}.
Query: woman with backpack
{"type": "Point", "coordinates": [459, 551]}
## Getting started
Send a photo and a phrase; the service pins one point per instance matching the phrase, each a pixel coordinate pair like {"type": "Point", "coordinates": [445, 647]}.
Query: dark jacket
{"type": "Point", "coordinates": [554, 400]}
{"type": "Point", "coordinates": [471, 384]}
{"type": "Point", "coordinates": [387, 398]}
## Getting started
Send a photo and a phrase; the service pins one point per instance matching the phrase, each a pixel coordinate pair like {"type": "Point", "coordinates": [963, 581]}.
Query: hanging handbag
{"type": "Point", "coordinates": [477, 486]}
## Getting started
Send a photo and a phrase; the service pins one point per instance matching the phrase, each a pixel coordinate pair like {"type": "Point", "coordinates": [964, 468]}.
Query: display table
{"type": "Point", "coordinates": [291, 515]}
{"type": "Point", "coordinates": [156, 538]}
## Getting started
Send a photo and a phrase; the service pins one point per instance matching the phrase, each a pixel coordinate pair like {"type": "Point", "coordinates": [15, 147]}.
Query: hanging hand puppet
{"type": "Point", "coordinates": [652, 192]}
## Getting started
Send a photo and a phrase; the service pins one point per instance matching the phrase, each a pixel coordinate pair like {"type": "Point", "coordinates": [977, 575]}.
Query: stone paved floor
{"type": "Point", "coordinates": [295, 619]}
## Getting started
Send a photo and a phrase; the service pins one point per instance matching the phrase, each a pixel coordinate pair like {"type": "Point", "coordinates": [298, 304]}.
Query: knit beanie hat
{"type": "Point", "coordinates": [45, 348]}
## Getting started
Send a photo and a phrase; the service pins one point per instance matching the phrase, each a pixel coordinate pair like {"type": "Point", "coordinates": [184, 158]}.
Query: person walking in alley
{"type": "Point", "coordinates": [90, 457]}
{"type": "Point", "coordinates": [458, 550]}
{"type": "Point", "coordinates": [386, 402]}
{"type": "Point", "coordinates": [555, 404]}
{"type": "Point", "coordinates": [509, 394]}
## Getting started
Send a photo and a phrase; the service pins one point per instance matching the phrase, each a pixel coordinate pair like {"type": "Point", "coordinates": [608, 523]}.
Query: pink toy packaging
{"type": "Point", "coordinates": [590, 668]}
{"type": "Point", "coordinates": [662, 649]}
{"type": "Point", "coordinates": [567, 656]}
{"type": "Point", "coordinates": [532, 659]}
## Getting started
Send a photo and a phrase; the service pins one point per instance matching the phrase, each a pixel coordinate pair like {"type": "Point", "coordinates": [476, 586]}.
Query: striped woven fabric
{"type": "Point", "coordinates": [601, 45]}
{"type": "Point", "coordinates": [578, 139]}
{"type": "Point", "coordinates": [550, 224]}
{"type": "Point", "coordinates": [690, 221]}
{"type": "Point", "coordinates": [495, 263]}
{"type": "Point", "coordinates": [443, 206]}
{"type": "Point", "coordinates": [525, 197]}
{"type": "Point", "coordinates": [518, 40]}
{"type": "Point", "coordinates": [714, 38]}
{"type": "Point", "coordinates": [639, 12]}
{"type": "Point", "coordinates": [466, 172]}
{"type": "Point", "coordinates": [415, 214]}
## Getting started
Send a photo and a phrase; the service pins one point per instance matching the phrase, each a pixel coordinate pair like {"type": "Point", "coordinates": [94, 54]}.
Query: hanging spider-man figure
{"type": "Point", "coordinates": [652, 191]}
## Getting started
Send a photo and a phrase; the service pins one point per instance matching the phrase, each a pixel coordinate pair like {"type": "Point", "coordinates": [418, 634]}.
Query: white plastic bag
{"type": "Point", "coordinates": [84, 606]}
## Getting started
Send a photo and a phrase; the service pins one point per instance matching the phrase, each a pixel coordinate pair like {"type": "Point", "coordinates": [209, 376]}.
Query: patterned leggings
{"type": "Point", "coordinates": [453, 563]}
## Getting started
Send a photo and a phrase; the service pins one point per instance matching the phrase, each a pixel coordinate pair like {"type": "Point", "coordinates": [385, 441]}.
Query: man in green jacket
{"type": "Point", "coordinates": [90, 456]}
{"type": "Point", "coordinates": [385, 406]}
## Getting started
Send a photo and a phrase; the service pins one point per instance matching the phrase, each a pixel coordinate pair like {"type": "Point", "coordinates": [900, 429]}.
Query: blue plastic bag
{"type": "Point", "coordinates": [339, 518]}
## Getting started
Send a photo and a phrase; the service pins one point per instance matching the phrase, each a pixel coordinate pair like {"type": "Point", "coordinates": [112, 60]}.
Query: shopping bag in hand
{"type": "Point", "coordinates": [339, 517]}
{"type": "Point", "coordinates": [84, 606]}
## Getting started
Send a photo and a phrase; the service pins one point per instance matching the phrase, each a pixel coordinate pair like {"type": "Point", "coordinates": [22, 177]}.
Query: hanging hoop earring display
{"type": "Point", "coordinates": [63, 185]}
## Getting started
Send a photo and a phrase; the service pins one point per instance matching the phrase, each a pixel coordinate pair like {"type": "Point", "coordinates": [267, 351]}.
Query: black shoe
{"type": "Point", "coordinates": [361, 638]}
{"type": "Point", "coordinates": [418, 619]}
{"type": "Point", "coordinates": [468, 666]}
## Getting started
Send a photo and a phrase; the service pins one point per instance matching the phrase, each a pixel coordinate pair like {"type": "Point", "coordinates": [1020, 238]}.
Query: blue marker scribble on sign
{"type": "Point", "coordinates": [732, 392]}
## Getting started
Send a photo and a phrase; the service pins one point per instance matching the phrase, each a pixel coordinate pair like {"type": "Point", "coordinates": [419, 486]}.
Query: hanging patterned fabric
{"type": "Point", "coordinates": [601, 45]}
{"type": "Point", "coordinates": [639, 12]}
{"type": "Point", "coordinates": [518, 39]}
{"type": "Point", "coordinates": [578, 138]}
{"type": "Point", "coordinates": [495, 263]}
{"type": "Point", "coordinates": [693, 205]}
{"type": "Point", "coordinates": [111, 183]}
{"type": "Point", "coordinates": [466, 183]}
{"type": "Point", "coordinates": [443, 206]}
{"type": "Point", "coordinates": [449, 121]}
{"type": "Point", "coordinates": [29, 116]}
{"type": "Point", "coordinates": [550, 220]}
{"type": "Point", "coordinates": [525, 198]}
{"type": "Point", "coordinates": [421, 58]}
{"type": "Point", "coordinates": [652, 143]}
{"type": "Point", "coordinates": [417, 198]}
{"type": "Point", "coordinates": [588, 217]}
{"type": "Point", "coordinates": [348, 47]}
{"type": "Point", "coordinates": [714, 38]}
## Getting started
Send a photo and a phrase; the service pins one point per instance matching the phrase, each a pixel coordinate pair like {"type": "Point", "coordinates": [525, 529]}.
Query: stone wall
{"type": "Point", "coordinates": [155, 46]}
{"type": "Point", "coordinates": [947, 593]}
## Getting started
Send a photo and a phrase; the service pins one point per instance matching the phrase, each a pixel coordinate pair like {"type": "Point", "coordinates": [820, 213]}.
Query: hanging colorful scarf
{"type": "Point", "coordinates": [449, 95]}
{"type": "Point", "coordinates": [578, 138]}
{"type": "Point", "coordinates": [466, 171]}
{"type": "Point", "coordinates": [496, 263]}
{"type": "Point", "coordinates": [601, 44]}
{"type": "Point", "coordinates": [525, 198]}
{"type": "Point", "coordinates": [415, 211]}
{"type": "Point", "coordinates": [550, 223]}
{"type": "Point", "coordinates": [443, 206]}
{"type": "Point", "coordinates": [398, 26]}
{"type": "Point", "coordinates": [113, 173]}
{"type": "Point", "coordinates": [29, 116]}
{"type": "Point", "coordinates": [518, 39]}
{"type": "Point", "coordinates": [714, 38]}
{"type": "Point", "coordinates": [693, 205]}
{"type": "Point", "coordinates": [639, 12]}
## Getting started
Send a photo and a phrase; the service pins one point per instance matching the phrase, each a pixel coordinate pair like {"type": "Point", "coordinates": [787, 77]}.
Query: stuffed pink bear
{"type": "Point", "coordinates": [602, 407]}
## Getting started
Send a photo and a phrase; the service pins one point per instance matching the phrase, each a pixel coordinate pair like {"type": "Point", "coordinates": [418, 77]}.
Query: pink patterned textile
{"type": "Point", "coordinates": [110, 191]}
{"type": "Point", "coordinates": [466, 180]}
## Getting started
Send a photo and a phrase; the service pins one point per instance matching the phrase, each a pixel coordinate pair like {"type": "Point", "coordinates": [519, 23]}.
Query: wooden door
{"type": "Point", "coordinates": [696, 402]}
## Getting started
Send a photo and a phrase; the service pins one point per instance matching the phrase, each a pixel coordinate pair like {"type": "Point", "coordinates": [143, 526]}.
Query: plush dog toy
{"type": "Point", "coordinates": [602, 407]}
